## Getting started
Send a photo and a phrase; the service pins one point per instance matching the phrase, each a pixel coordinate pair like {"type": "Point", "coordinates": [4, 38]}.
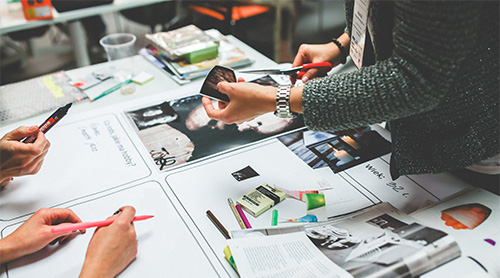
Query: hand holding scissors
{"type": "Point", "coordinates": [295, 72]}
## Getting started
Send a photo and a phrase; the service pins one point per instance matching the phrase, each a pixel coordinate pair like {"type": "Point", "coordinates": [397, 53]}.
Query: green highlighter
{"type": "Point", "coordinates": [274, 221]}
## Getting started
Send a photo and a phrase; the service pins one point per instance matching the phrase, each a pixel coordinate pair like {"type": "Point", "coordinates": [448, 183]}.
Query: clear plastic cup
{"type": "Point", "coordinates": [119, 46]}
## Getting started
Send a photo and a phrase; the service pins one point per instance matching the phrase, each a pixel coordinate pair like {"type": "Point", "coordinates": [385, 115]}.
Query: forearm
{"type": "Point", "coordinates": [296, 99]}
{"type": "Point", "coordinates": [9, 251]}
{"type": "Point", "coordinates": [345, 41]}
{"type": "Point", "coordinates": [92, 269]}
{"type": "Point", "coordinates": [413, 80]}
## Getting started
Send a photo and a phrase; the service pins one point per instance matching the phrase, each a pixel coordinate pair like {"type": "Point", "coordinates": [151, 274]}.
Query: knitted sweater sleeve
{"type": "Point", "coordinates": [430, 38]}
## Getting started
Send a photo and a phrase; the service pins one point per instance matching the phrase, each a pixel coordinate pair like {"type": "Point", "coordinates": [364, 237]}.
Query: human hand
{"type": "Point", "coordinates": [112, 247]}
{"type": "Point", "coordinates": [36, 233]}
{"type": "Point", "coordinates": [19, 159]}
{"type": "Point", "coordinates": [247, 101]}
{"type": "Point", "coordinates": [315, 53]}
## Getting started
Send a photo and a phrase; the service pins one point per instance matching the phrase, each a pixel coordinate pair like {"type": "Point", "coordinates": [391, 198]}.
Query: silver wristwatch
{"type": "Point", "coordinates": [283, 102]}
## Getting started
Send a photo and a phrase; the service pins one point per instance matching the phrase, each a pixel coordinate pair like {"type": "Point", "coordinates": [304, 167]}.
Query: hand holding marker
{"type": "Point", "coordinates": [80, 226]}
{"type": "Point", "coordinates": [49, 123]}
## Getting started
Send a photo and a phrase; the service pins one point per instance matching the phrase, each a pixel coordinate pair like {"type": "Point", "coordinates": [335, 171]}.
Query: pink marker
{"type": "Point", "coordinates": [243, 216]}
{"type": "Point", "coordinates": [80, 226]}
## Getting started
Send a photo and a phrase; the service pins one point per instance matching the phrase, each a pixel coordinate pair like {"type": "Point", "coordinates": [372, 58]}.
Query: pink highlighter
{"type": "Point", "coordinates": [243, 216]}
{"type": "Point", "coordinates": [80, 226]}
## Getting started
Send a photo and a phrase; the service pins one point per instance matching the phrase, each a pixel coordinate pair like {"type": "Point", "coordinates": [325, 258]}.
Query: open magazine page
{"type": "Point", "coordinates": [471, 217]}
{"type": "Point", "coordinates": [291, 255]}
{"type": "Point", "coordinates": [379, 241]}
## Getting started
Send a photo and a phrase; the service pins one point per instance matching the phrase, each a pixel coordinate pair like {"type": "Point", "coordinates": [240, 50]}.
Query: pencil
{"type": "Point", "coordinates": [217, 224]}
{"type": "Point", "coordinates": [236, 214]}
{"type": "Point", "coordinates": [112, 89]}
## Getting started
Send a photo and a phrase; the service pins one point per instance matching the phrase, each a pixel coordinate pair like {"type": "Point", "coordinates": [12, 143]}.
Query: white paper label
{"type": "Point", "coordinates": [358, 33]}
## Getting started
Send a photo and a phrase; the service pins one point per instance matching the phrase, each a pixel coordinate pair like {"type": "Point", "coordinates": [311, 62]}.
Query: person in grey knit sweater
{"type": "Point", "coordinates": [431, 72]}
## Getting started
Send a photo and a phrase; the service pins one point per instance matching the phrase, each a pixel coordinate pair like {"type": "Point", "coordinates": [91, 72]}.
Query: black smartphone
{"type": "Point", "coordinates": [216, 75]}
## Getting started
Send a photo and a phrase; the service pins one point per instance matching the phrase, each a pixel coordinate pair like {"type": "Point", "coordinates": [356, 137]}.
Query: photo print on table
{"type": "Point", "coordinates": [179, 131]}
{"type": "Point", "coordinates": [245, 173]}
{"type": "Point", "coordinates": [338, 150]}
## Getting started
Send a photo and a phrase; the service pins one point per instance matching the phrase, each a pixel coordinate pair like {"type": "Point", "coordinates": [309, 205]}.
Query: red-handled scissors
{"type": "Point", "coordinates": [297, 72]}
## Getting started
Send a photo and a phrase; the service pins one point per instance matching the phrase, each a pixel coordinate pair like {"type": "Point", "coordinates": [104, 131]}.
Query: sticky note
{"type": "Point", "coordinates": [142, 78]}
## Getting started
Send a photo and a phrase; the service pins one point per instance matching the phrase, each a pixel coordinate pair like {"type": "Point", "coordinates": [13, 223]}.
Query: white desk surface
{"type": "Point", "coordinates": [170, 243]}
{"type": "Point", "coordinates": [11, 21]}
{"type": "Point", "coordinates": [181, 236]}
{"type": "Point", "coordinates": [160, 84]}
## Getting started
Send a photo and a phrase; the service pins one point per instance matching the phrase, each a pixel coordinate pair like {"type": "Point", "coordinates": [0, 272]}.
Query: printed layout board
{"type": "Point", "coordinates": [96, 153]}
{"type": "Point", "coordinates": [355, 188]}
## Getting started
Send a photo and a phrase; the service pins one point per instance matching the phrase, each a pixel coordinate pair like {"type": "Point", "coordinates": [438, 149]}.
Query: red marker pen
{"type": "Point", "coordinates": [50, 122]}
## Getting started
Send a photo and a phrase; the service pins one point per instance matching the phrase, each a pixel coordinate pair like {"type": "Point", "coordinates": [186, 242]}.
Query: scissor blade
{"type": "Point", "coordinates": [264, 71]}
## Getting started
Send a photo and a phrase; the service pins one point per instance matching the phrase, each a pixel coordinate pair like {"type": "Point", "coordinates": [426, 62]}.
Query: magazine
{"type": "Point", "coordinates": [177, 43]}
{"type": "Point", "coordinates": [378, 241]}
{"type": "Point", "coordinates": [229, 55]}
{"type": "Point", "coordinates": [471, 217]}
{"type": "Point", "coordinates": [183, 72]}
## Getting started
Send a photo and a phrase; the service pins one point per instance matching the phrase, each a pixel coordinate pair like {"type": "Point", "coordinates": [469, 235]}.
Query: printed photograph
{"type": "Point", "coordinates": [217, 74]}
{"type": "Point", "coordinates": [390, 248]}
{"type": "Point", "coordinates": [337, 150]}
{"type": "Point", "coordinates": [180, 131]}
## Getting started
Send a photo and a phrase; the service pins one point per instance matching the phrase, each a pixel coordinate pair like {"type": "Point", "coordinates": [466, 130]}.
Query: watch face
{"type": "Point", "coordinates": [216, 75]}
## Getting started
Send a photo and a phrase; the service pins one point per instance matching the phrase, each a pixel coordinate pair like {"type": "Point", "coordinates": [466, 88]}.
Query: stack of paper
{"type": "Point", "coordinates": [188, 42]}
{"type": "Point", "coordinates": [182, 71]}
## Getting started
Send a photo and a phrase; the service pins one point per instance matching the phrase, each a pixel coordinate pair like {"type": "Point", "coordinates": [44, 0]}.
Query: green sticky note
{"type": "Point", "coordinates": [314, 200]}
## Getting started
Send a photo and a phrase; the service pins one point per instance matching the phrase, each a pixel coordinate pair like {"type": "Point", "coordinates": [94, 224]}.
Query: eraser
{"type": "Point", "coordinates": [261, 199]}
{"type": "Point", "coordinates": [142, 78]}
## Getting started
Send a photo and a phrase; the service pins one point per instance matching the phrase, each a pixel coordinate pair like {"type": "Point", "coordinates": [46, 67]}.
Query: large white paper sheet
{"type": "Point", "coordinates": [165, 245]}
{"type": "Point", "coordinates": [85, 157]}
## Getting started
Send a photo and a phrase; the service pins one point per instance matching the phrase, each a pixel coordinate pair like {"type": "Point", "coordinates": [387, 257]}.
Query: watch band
{"type": "Point", "coordinates": [283, 102]}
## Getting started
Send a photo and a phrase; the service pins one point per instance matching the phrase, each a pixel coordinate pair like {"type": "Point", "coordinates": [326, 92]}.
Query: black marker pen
{"type": "Point", "coordinates": [50, 122]}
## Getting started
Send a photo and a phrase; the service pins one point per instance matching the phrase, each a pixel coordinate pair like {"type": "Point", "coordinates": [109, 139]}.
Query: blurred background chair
{"type": "Point", "coordinates": [227, 14]}
{"type": "Point", "coordinates": [263, 24]}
